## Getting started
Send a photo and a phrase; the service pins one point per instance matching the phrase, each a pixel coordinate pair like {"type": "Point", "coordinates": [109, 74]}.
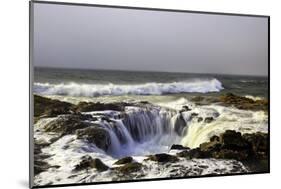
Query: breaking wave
{"type": "Point", "coordinates": [76, 89]}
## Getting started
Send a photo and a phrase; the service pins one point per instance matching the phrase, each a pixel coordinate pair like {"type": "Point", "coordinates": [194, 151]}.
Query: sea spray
{"type": "Point", "coordinates": [152, 88]}
{"type": "Point", "coordinates": [148, 129]}
{"type": "Point", "coordinates": [144, 130]}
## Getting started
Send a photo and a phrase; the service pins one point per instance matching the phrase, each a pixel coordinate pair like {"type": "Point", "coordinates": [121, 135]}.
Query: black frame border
{"type": "Point", "coordinates": [31, 144]}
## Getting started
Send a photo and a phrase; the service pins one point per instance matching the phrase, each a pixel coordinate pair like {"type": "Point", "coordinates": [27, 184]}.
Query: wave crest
{"type": "Point", "coordinates": [76, 89]}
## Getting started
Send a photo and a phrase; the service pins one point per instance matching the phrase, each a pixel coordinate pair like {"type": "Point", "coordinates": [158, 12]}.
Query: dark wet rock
{"type": "Point", "coordinates": [41, 156]}
{"type": "Point", "coordinates": [185, 109]}
{"type": "Point", "coordinates": [124, 160]}
{"type": "Point", "coordinates": [194, 114]}
{"type": "Point", "coordinates": [107, 119]}
{"type": "Point", "coordinates": [231, 154]}
{"type": "Point", "coordinates": [194, 153]}
{"type": "Point", "coordinates": [99, 165]}
{"type": "Point", "coordinates": [259, 144]}
{"type": "Point", "coordinates": [208, 119]}
{"type": "Point", "coordinates": [91, 106]}
{"type": "Point", "coordinates": [197, 98]}
{"type": "Point", "coordinates": [203, 166]}
{"type": "Point", "coordinates": [144, 102]}
{"type": "Point", "coordinates": [66, 124]}
{"type": "Point", "coordinates": [130, 168]}
{"type": "Point", "coordinates": [215, 138]}
{"type": "Point", "coordinates": [87, 117]}
{"type": "Point", "coordinates": [210, 146]}
{"type": "Point", "coordinates": [163, 158]}
{"type": "Point", "coordinates": [250, 149]}
{"type": "Point", "coordinates": [184, 153]}
{"type": "Point", "coordinates": [94, 134]}
{"type": "Point", "coordinates": [257, 165]}
{"type": "Point", "coordinates": [240, 102]}
{"type": "Point", "coordinates": [40, 166]}
{"type": "Point", "coordinates": [47, 107]}
{"type": "Point", "coordinates": [199, 119]}
{"type": "Point", "coordinates": [206, 100]}
{"type": "Point", "coordinates": [233, 140]}
{"type": "Point", "coordinates": [38, 145]}
{"type": "Point", "coordinates": [87, 162]}
{"type": "Point", "coordinates": [225, 143]}
{"type": "Point", "coordinates": [178, 147]}
{"type": "Point", "coordinates": [216, 114]}
{"type": "Point", "coordinates": [212, 100]}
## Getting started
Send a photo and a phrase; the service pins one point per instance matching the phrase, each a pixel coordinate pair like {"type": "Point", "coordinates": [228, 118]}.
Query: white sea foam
{"type": "Point", "coordinates": [76, 89]}
{"type": "Point", "coordinates": [255, 98]}
{"type": "Point", "coordinates": [68, 157]}
{"type": "Point", "coordinates": [156, 128]}
{"type": "Point", "coordinates": [244, 121]}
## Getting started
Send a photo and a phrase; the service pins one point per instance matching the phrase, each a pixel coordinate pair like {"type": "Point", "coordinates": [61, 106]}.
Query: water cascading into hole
{"type": "Point", "coordinates": [144, 131]}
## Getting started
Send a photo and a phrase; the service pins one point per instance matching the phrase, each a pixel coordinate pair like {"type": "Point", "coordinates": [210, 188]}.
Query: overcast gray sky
{"type": "Point", "coordinates": [125, 39]}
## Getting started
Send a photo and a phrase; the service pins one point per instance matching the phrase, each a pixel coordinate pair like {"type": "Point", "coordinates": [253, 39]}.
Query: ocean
{"type": "Point", "coordinates": [161, 112]}
{"type": "Point", "coordinates": [97, 83]}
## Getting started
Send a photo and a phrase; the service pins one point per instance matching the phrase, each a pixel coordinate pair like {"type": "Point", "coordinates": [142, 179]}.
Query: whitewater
{"type": "Point", "coordinates": [149, 130]}
{"type": "Point", "coordinates": [150, 88]}
{"type": "Point", "coordinates": [163, 111]}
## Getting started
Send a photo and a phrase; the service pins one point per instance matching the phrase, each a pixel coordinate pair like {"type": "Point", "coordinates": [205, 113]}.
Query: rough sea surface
{"type": "Point", "coordinates": [150, 128]}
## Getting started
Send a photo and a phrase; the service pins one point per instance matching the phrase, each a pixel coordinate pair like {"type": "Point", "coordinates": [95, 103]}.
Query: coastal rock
{"type": "Point", "coordinates": [239, 102]}
{"type": "Point", "coordinates": [194, 114]}
{"type": "Point", "coordinates": [91, 106]}
{"type": "Point", "coordinates": [233, 140]}
{"type": "Point", "coordinates": [96, 135]}
{"type": "Point", "coordinates": [40, 166]}
{"type": "Point", "coordinates": [197, 98]}
{"type": "Point", "coordinates": [87, 162]}
{"type": "Point", "coordinates": [230, 145]}
{"type": "Point", "coordinates": [38, 144]}
{"type": "Point", "coordinates": [124, 160]}
{"type": "Point", "coordinates": [210, 146]}
{"type": "Point", "coordinates": [179, 147]}
{"type": "Point", "coordinates": [130, 168]}
{"type": "Point", "coordinates": [66, 124]}
{"type": "Point", "coordinates": [163, 158]}
{"type": "Point", "coordinates": [194, 153]}
{"type": "Point", "coordinates": [231, 154]}
{"type": "Point", "coordinates": [208, 119]}
{"type": "Point", "coordinates": [107, 119]}
{"type": "Point", "coordinates": [47, 107]}
{"type": "Point", "coordinates": [215, 138]}
{"type": "Point", "coordinates": [87, 117]}
{"type": "Point", "coordinates": [185, 109]}
{"type": "Point", "coordinates": [199, 119]}
{"type": "Point", "coordinates": [259, 144]}
{"type": "Point", "coordinates": [40, 163]}
{"type": "Point", "coordinates": [251, 149]}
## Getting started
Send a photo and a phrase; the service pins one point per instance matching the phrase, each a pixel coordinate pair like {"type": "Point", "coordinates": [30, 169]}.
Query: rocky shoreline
{"type": "Point", "coordinates": [250, 149]}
